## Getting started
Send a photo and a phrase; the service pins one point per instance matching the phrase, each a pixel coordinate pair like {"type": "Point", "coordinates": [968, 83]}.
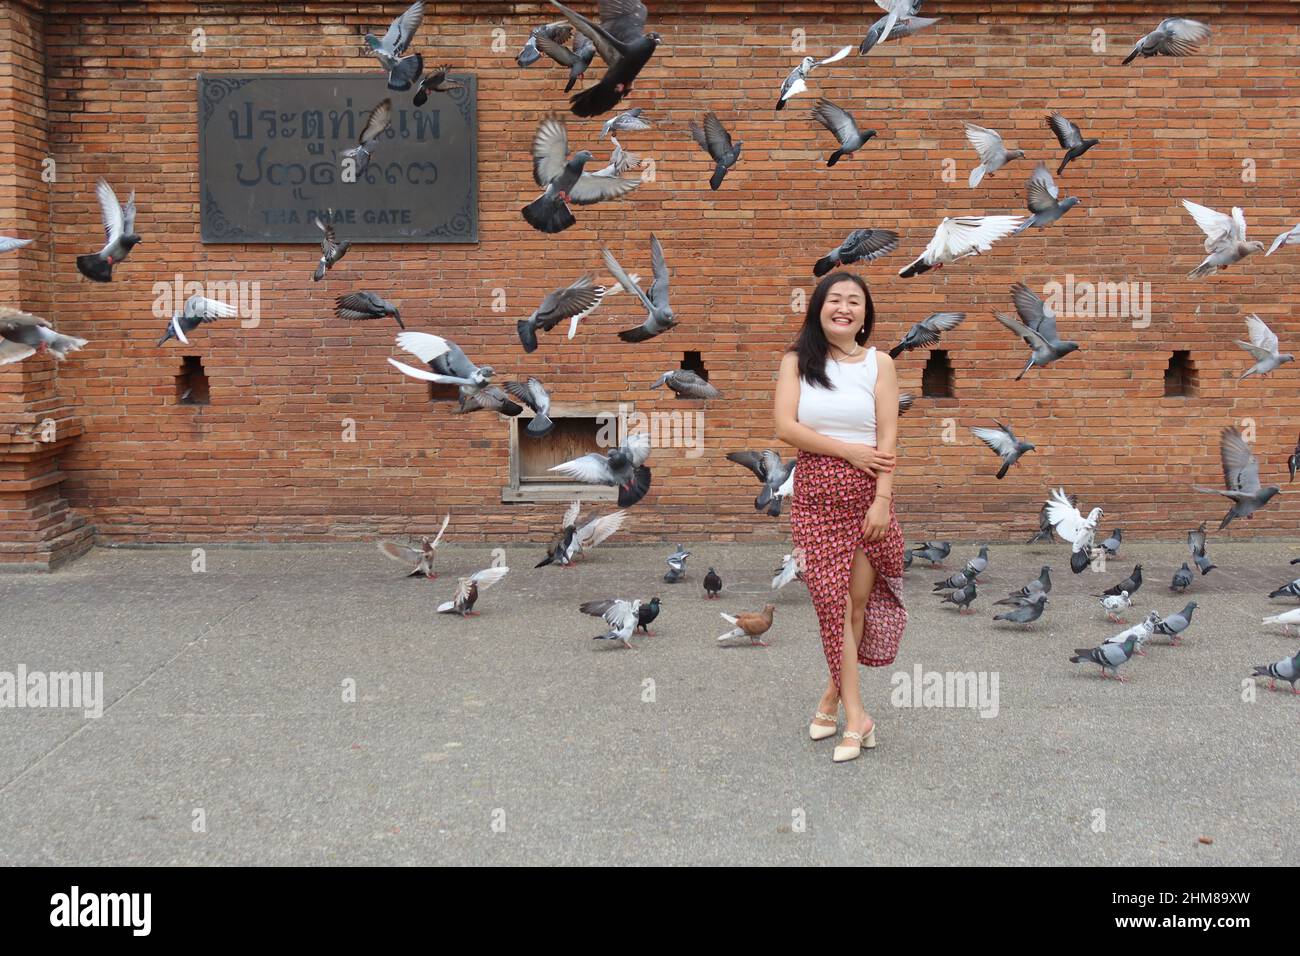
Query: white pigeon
{"type": "Point", "coordinates": [961, 237]}
{"type": "Point", "coordinates": [1225, 238]}
{"type": "Point", "coordinates": [611, 288]}
{"type": "Point", "coordinates": [794, 83]}
{"type": "Point", "coordinates": [895, 9]}
{"type": "Point", "coordinates": [426, 348]}
{"type": "Point", "coordinates": [1262, 348]}
{"type": "Point", "coordinates": [1114, 603]}
{"type": "Point", "coordinates": [1069, 522]}
{"type": "Point", "coordinates": [1289, 238]}
{"type": "Point", "coordinates": [621, 616]}
{"type": "Point", "coordinates": [993, 154]}
{"type": "Point", "coordinates": [467, 591]}
{"type": "Point", "coordinates": [791, 567]}
{"type": "Point", "coordinates": [1288, 619]}
{"type": "Point", "coordinates": [592, 533]}
{"type": "Point", "coordinates": [1139, 632]}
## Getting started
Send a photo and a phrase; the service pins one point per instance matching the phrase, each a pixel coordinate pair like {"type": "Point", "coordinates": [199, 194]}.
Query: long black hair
{"type": "Point", "coordinates": [812, 345]}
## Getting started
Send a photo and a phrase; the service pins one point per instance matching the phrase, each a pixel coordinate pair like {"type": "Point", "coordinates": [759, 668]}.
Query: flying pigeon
{"type": "Point", "coordinates": [420, 559]}
{"type": "Point", "coordinates": [452, 367]}
{"type": "Point", "coordinates": [534, 395]}
{"type": "Point", "coordinates": [1130, 584]}
{"type": "Point", "coordinates": [1043, 200]}
{"type": "Point", "coordinates": [621, 616]}
{"type": "Point", "coordinates": [677, 565]}
{"type": "Point", "coordinates": [993, 154]}
{"type": "Point", "coordinates": [1196, 544]}
{"type": "Point", "coordinates": [359, 306]}
{"type": "Point", "coordinates": [1045, 530]}
{"type": "Point", "coordinates": [961, 237]}
{"type": "Point", "coordinates": [9, 245]}
{"type": "Point", "coordinates": [750, 625]}
{"type": "Point", "coordinates": [402, 70]}
{"type": "Point", "coordinates": [1287, 590]}
{"type": "Point", "coordinates": [1225, 238]}
{"type": "Point", "coordinates": [1287, 669]}
{"type": "Point", "coordinates": [1241, 476]}
{"type": "Point", "coordinates": [578, 59]}
{"type": "Point", "coordinates": [1109, 656]}
{"type": "Point", "coordinates": [1004, 443]}
{"type": "Point", "coordinates": [1288, 619]}
{"type": "Point", "coordinates": [926, 332]}
{"type": "Point", "coordinates": [933, 551]}
{"type": "Point", "coordinates": [1114, 603]}
{"type": "Point", "coordinates": [1175, 36]}
{"type": "Point", "coordinates": [1029, 611]}
{"type": "Point", "coordinates": [198, 309]}
{"type": "Point", "coordinates": [842, 126]}
{"type": "Point", "coordinates": [624, 467]}
{"type": "Point", "coordinates": [1175, 624]}
{"type": "Point", "coordinates": [620, 161]}
{"type": "Point", "coordinates": [1071, 140]}
{"type": "Point", "coordinates": [1182, 579]}
{"type": "Point", "coordinates": [1263, 348]}
{"type": "Point", "coordinates": [790, 569]}
{"type": "Point", "coordinates": [712, 584]}
{"type": "Point", "coordinates": [620, 40]}
{"type": "Point", "coordinates": [436, 81]}
{"type": "Point", "coordinates": [573, 302]}
{"type": "Point", "coordinates": [564, 181]}
{"type": "Point", "coordinates": [771, 471]}
{"type": "Point", "coordinates": [904, 27]}
{"type": "Point", "coordinates": [119, 230]}
{"type": "Point", "coordinates": [331, 250]}
{"type": "Point", "coordinates": [1040, 585]}
{"type": "Point", "coordinates": [1037, 326]}
{"type": "Point", "coordinates": [861, 245]}
{"type": "Point", "coordinates": [558, 31]}
{"type": "Point", "coordinates": [467, 591]}
{"type": "Point", "coordinates": [894, 11]}
{"type": "Point", "coordinates": [1073, 527]}
{"type": "Point", "coordinates": [379, 123]}
{"type": "Point", "coordinates": [659, 314]}
{"type": "Point", "coordinates": [716, 141]}
{"type": "Point", "coordinates": [629, 121]}
{"type": "Point", "coordinates": [1138, 632]}
{"type": "Point", "coordinates": [1289, 238]}
{"type": "Point", "coordinates": [687, 384]}
{"type": "Point", "coordinates": [794, 83]}
{"type": "Point", "coordinates": [954, 582]}
{"type": "Point", "coordinates": [23, 335]}
{"type": "Point", "coordinates": [962, 598]}
{"type": "Point", "coordinates": [646, 615]}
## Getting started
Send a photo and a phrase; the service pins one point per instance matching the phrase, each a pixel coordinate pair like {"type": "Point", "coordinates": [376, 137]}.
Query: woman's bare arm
{"type": "Point", "coordinates": [886, 417]}
{"type": "Point", "coordinates": [788, 428]}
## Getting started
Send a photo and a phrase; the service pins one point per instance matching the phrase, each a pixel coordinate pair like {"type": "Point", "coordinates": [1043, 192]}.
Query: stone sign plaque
{"type": "Point", "coordinates": [271, 154]}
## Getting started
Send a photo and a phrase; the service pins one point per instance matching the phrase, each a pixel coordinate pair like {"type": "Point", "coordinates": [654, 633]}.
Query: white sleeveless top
{"type": "Point", "coordinates": [848, 412]}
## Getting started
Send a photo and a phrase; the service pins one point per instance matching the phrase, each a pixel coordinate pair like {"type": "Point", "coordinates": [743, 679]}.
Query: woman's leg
{"type": "Point", "coordinates": [862, 578]}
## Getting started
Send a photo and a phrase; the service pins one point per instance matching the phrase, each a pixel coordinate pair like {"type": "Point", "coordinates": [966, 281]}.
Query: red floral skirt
{"type": "Point", "coordinates": [831, 498]}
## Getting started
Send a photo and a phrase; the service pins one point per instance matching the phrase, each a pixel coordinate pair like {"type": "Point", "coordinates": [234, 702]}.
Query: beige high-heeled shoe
{"type": "Point", "coordinates": [843, 754]}
{"type": "Point", "coordinates": [817, 731]}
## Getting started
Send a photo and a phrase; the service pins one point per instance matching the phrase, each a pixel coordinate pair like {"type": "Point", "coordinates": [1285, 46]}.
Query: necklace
{"type": "Point", "coordinates": [856, 351]}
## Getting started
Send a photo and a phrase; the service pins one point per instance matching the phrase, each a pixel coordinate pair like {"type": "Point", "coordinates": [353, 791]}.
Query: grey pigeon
{"type": "Point", "coordinates": [1111, 544]}
{"type": "Point", "coordinates": [563, 180]}
{"type": "Point", "coordinates": [1287, 590]}
{"type": "Point", "coordinates": [620, 161]}
{"type": "Point", "coordinates": [402, 70]}
{"type": "Point", "coordinates": [198, 309]}
{"type": "Point", "coordinates": [621, 616]}
{"type": "Point", "coordinates": [962, 598]}
{"type": "Point", "coordinates": [558, 31]}
{"type": "Point", "coordinates": [1289, 238]}
{"type": "Point", "coordinates": [794, 83]}
{"type": "Point", "coordinates": [1225, 238]}
{"type": "Point", "coordinates": [436, 81]}
{"type": "Point", "coordinates": [1040, 585]}
{"type": "Point", "coordinates": [23, 334]}
{"type": "Point", "coordinates": [771, 471]}
{"type": "Point", "coordinates": [623, 44]}
{"type": "Point", "coordinates": [958, 238]}
{"type": "Point", "coordinates": [378, 123]}
{"type": "Point", "coordinates": [468, 589]}
{"type": "Point", "coordinates": [861, 245]}
{"type": "Point", "coordinates": [687, 384]}
{"type": "Point", "coordinates": [676, 565]}
{"type": "Point", "coordinates": [450, 366]}
{"type": "Point", "coordinates": [1262, 348]}
{"type": "Point", "coordinates": [1182, 579]}
{"type": "Point", "coordinates": [1174, 625]}
{"type": "Point", "coordinates": [992, 152]}
{"type": "Point", "coordinates": [1038, 329]}
{"type": "Point", "coordinates": [907, 558]}
{"type": "Point", "coordinates": [418, 559]}
{"type": "Point", "coordinates": [360, 306]}
{"type": "Point", "coordinates": [1109, 656]}
{"type": "Point", "coordinates": [926, 332]}
{"type": "Point", "coordinates": [933, 551]}
{"type": "Point", "coordinates": [1196, 544]}
{"type": "Point", "coordinates": [119, 231]}
{"type": "Point", "coordinates": [1026, 613]}
{"type": "Point", "coordinates": [8, 244]}
{"type": "Point", "coordinates": [1046, 532]}
{"type": "Point", "coordinates": [895, 10]}
{"type": "Point", "coordinates": [1175, 36]}
{"type": "Point", "coordinates": [1241, 476]}
{"type": "Point", "coordinates": [331, 250]}
{"type": "Point", "coordinates": [956, 581]}
{"type": "Point", "coordinates": [712, 584]}
{"type": "Point", "coordinates": [624, 468]}
{"type": "Point", "coordinates": [573, 302]}
{"type": "Point", "coordinates": [1043, 200]}
{"type": "Point", "coordinates": [1004, 443]}
{"type": "Point", "coordinates": [1131, 584]}
{"type": "Point", "coordinates": [843, 128]}
{"type": "Point", "coordinates": [979, 564]}
{"type": "Point", "coordinates": [716, 141]}
{"type": "Point", "coordinates": [578, 59]}
{"type": "Point", "coordinates": [1287, 669]}
{"type": "Point", "coordinates": [1070, 138]}
{"type": "Point", "coordinates": [629, 121]}
{"type": "Point", "coordinates": [561, 549]}
{"type": "Point", "coordinates": [1293, 460]}
{"type": "Point", "coordinates": [904, 27]}
{"type": "Point", "coordinates": [533, 394]}
{"type": "Point", "coordinates": [659, 314]}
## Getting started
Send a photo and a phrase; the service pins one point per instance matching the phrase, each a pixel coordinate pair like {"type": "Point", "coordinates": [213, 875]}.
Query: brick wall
{"type": "Point", "coordinates": [265, 461]}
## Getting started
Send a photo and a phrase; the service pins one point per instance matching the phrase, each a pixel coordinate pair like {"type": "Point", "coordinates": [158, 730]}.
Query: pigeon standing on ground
{"type": "Point", "coordinates": [1138, 632]}
{"type": "Point", "coordinates": [687, 384]}
{"type": "Point", "coordinates": [1130, 584]}
{"type": "Point", "coordinates": [624, 468]}
{"type": "Point", "coordinates": [467, 591]}
{"type": "Point", "coordinates": [926, 332]}
{"type": "Point", "coordinates": [962, 597]}
{"type": "Point", "coordinates": [958, 238]}
{"type": "Point", "coordinates": [1175, 36]}
{"type": "Point", "coordinates": [420, 559]}
{"type": "Point", "coordinates": [1038, 329]}
{"type": "Point", "coordinates": [1028, 612]}
{"type": "Point", "coordinates": [1071, 140]}
{"type": "Point", "coordinates": [623, 44]}
{"type": "Point", "coordinates": [659, 314]}
{"type": "Point", "coordinates": [1111, 544]}
{"type": "Point", "coordinates": [1262, 348]}
{"type": "Point", "coordinates": [794, 83]}
{"type": "Point", "coordinates": [978, 564]}
{"type": "Point", "coordinates": [119, 231]}
{"type": "Point", "coordinates": [716, 141]}
{"type": "Point", "coordinates": [954, 582]}
{"type": "Point", "coordinates": [993, 154]}
{"type": "Point", "coordinates": [451, 366]}
{"type": "Point", "coordinates": [1241, 476]}
{"type": "Point", "coordinates": [1174, 625]}
{"type": "Point", "coordinates": [1182, 579]}
{"type": "Point", "coordinates": [628, 121]}
{"type": "Point", "coordinates": [1287, 669]}
{"type": "Point", "coordinates": [1040, 585]}
{"type": "Point", "coordinates": [771, 471]}
{"type": "Point", "coordinates": [646, 615]}
{"type": "Point", "coordinates": [1196, 544]}
{"type": "Point", "coordinates": [1287, 590]}
{"type": "Point", "coordinates": [861, 245]}
{"type": "Point", "coordinates": [589, 535]}
{"type": "Point", "coordinates": [198, 309]}
{"type": "Point", "coordinates": [1109, 656]}
{"type": "Point", "coordinates": [563, 180]}
{"type": "Point", "coordinates": [534, 395]}
{"type": "Point", "coordinates": [1225, 238]}
{"type": "Point", "coordinates": [1114, 603]}
{"type": "Point", "coordinates": [573, 302]}
{"type": "Point", "coordinates": [1043, 200]}
{"type": "Point", "coordinates": [712, 584]}
{"type": "Point", "coordinates": [331, 250]}
{"type": "Point", "coordinates": [402, 70]}
{"type": "Point", "coordinates": [1289, 238]}
{"type": "Point", "coordinates": [842, 126]}
{"type": "Point", "coordinates": [379, 123]}
{"type": "Point", "coordinates": [621, 616]}
{"type": "Point", "coordinates": [1073, 527]}
{"type": "Point", "coordinates": [1288, 620]}
{"type": "Point", "coordinates": [558, 31]}
{"type": "Point", "coordinates": [933, 551]}
{"type": "Point", "coordinates": [23, 334]}
{"type": "Point", "coordinates": [676, 565]}
{"type": "Point", "coordinates": [360, 306]}
{"type": "Point", "coordinates": [436, 81]}
{"type": "Point", "coordinates": [1004, 443]}
{"type": "Point", "coordinates": [750, 625]}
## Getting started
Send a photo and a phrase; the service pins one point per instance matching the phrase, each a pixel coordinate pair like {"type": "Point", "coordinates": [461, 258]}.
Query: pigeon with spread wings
{"type": "Point", "coordinates": [361, 306]}
{"type": "Point", "coordinates": [1175, 36]}
{"type": "Point", "coordinates": [198, 309]}
{"type": "Point", "coordinates": [1225, 238]}
{"type": "Point", "coordinates": [468, 589]}
{"type": "Point", "coordinates": [450, 366]}
{"type": "Point", "coordinates": [378, 123]}
{"type": "Point", "coordinates": [1072, 526]}
{"type": "Point", "coordinates": [794, 83]}
{"type": "Point", "coordinates": [119, 231]}
{"type": "Point", "coordinates": [418, 559]}
{"type": "Point", "coordinates": [564, 181]}
{"type": "Point", "coordinates": [659, 314]}
{"type": "Point", "coordinates": [623, 44]}
{"type": "Point", "coordinates": [716, 141]}
{"type": "Point", "coordinates": [961, 237]}
{"type": "Point", "coordinates": [1241, 476]}
{"type": "Point", "coordinates": [331, 250]}
{"type": "Point", "coordinates": [23, 334]}
{"type": "Point", "coordinates": [624, 468]}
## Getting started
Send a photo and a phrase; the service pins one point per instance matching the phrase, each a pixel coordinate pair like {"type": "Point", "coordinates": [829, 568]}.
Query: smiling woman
{"type": "Point", "coordinates": [837, 402]}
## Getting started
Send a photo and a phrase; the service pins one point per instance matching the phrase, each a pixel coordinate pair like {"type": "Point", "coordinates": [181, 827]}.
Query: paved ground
{"type": "Point", "coordinates": [514, 738]}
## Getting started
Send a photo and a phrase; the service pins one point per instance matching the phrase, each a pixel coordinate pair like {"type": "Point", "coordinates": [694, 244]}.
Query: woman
{"type": "Point", "coordinates": [837, 402]}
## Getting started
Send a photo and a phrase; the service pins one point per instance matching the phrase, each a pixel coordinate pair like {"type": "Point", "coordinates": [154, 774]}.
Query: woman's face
{"type": "Point", "coordinates": [844, 311]}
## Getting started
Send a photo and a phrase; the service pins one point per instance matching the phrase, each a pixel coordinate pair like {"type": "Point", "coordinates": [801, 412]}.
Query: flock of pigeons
{"type": "Point", "coordinates": [620, 40]}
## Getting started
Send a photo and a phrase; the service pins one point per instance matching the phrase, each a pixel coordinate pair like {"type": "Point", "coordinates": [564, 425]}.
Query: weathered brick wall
{"type": "Point", "coordinates": [265, 460]}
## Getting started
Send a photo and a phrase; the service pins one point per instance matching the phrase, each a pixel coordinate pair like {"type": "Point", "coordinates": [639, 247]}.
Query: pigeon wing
{"type": "Point", "coordinates": [550, 150]}
{"type": "Point", "coordinates": [1067, 134]}
{"type": "Point", "coordinates": [1042, 190]}
{"type": "Point", "coordinates": [1240, 467]}
{"type": "Point", "coordinates": [987, 142]}
{"type": "Point", "coordinates": [591, 188]}
{"type": "Point", "coordinates": [110, 211]}
{"type": "Point", "coordinates": [378, 122]}
{"type": "Point", "coordinates": [835, 119]}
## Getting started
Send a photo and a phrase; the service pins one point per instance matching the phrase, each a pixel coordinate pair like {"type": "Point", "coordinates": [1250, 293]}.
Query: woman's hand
{"type": "Point", "coordinates": [876, 524]}
{"type": "Point", "coordinates": [867, 458]}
